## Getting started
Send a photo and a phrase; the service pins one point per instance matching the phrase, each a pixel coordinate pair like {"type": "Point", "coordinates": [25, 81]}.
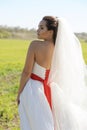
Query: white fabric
{"type": "Point", "coordinates": [39, 70]}
{"type": "Point", "coordinates": [34, 109]}
{"type": "Point", "coordinates": [67, 79]}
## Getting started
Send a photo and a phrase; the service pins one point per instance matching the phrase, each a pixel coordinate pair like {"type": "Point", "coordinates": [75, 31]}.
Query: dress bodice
{"type": "Point", "coordinates": [41, 74]}
{"type": "Point", "coordinates": [39, 70]}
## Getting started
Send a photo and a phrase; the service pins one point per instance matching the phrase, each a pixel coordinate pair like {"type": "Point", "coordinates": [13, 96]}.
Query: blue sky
{"type": "Point", "coordinates": [28, 13]}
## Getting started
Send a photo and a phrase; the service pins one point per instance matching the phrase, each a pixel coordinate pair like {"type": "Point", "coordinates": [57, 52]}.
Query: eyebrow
{"type": "Point", "coordinates": [40, 25]}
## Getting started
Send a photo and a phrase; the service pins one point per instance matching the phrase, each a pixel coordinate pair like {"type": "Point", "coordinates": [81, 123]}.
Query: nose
{"type": "Point", "coordinates": [37, 30]}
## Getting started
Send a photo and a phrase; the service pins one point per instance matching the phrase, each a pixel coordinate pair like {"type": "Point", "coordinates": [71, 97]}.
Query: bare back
{"type": "Point", "coordinates": [43, 53]}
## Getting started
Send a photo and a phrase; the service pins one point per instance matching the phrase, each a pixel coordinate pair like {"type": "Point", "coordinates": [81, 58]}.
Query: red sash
{"type": "Point", "coordinates": [47, 89]}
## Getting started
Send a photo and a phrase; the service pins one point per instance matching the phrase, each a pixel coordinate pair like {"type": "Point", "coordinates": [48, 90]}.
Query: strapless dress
{"type": "Point", "coordinates": [34, 108]}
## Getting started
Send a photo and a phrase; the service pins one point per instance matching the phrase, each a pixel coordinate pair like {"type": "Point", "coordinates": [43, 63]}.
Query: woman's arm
{"type": "Point", "coordinates": [27, 69]}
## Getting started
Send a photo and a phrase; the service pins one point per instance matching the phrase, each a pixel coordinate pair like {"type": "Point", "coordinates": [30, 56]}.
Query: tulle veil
{"type": "Point", "coordinates": [68, 81]}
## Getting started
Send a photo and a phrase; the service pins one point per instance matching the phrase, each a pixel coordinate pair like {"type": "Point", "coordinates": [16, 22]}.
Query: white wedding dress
{"type": "Point", "coordinates": [68, 84]}
{"type": "Point", "coordinates": [34, 110]}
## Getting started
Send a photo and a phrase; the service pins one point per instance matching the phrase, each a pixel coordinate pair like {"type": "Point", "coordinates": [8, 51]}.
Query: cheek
{"type": "Point", "coordinates": [42, 33]}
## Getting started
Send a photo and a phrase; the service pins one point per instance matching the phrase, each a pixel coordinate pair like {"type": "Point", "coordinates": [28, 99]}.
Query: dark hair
{"type": "Point", "coordinates": [52, 24]}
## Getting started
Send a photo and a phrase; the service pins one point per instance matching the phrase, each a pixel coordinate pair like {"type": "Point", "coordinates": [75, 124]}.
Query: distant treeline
{"type": "Point", "coordinates": [17, 33]}
{"type": "Point", "coordinates": [82, 36]}
{"type": "Point", "coordinates": [26, 34]}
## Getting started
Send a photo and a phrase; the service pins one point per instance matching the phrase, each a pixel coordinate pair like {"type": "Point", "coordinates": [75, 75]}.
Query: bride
{"type": "Point", "coordinates": [53, 88]}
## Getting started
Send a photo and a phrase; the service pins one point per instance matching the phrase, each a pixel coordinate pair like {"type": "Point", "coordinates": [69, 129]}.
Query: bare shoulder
{"type": "Point", "coordinates": [35, 44]}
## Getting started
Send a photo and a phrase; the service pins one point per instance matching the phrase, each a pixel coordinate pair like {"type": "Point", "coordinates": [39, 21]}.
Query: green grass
{"type": "Point", "coordinates": [12, 57]}
{"type": "Point", "coordinates": [84, 50]}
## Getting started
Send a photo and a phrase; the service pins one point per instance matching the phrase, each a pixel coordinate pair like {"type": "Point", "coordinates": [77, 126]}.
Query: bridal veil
{"type": "Point", "coordinates": [68, 81]}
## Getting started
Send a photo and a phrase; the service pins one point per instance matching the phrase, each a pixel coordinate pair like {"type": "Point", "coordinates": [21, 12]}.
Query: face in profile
{"type": "Point", "coordinates": [42, 31]}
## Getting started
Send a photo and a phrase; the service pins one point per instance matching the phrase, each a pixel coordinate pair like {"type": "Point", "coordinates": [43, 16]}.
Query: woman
{"type": "Point", "coordinates": [52, 93]}
{"type": "Point", "coordinates": [38, 61]}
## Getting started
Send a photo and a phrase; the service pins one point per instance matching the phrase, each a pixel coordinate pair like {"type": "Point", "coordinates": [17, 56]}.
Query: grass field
{"type": "Point", "coordinates": [84, 50]}
{"type": "Point", "coordinates": [12, 57]}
